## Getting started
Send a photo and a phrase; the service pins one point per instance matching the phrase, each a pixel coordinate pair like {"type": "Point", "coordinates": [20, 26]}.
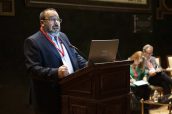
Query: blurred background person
{"type": "Point", "coordinates": [156, 76]}
{"type": "Point", "coordinates": [137, 73]}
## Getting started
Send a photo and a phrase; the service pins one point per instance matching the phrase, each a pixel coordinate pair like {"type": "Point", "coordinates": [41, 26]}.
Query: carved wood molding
{"type": "Point", "coordinates": [7, 8]}
{"type": "Point", "coordinates": [165, 8]}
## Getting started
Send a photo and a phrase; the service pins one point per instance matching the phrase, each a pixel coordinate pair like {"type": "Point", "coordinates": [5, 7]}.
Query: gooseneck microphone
{"type": "Point", "coordinates": [72, 46]}
{"type": "Point", "coordinates": [81, 53]}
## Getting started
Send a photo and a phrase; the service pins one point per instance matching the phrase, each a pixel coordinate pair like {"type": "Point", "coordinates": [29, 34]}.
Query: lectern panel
{"type": "Point", "coordinates": [98, 89]}
{"type": "Point", "coordinates": [115, 82]}
{"type": "Point", "coordinates": [112, 80]}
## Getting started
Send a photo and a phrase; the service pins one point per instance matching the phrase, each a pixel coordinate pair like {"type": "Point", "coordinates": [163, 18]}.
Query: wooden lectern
{"type": "Point", "coordinates": [98, 89]}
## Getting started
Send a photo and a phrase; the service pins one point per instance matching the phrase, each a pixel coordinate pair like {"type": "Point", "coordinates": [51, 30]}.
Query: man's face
{"type": "Point", "coordinates": [51, 23]}
{"type": "Point", "coordinates": [148, 52]}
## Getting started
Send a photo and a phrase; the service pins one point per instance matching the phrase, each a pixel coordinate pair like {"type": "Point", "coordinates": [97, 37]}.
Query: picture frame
{"type": "Point", "coordinates": [165, 8]}
{"type": "Point", "coordinates": [100, 5]}
{"type": "Point", "coordinates": [7, 8]}
{"type": "Point", "coordinates": [143, 23]}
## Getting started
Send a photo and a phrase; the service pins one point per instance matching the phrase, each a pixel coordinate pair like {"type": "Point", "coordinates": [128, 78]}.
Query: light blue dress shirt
{"type": "Point", "coordinates": [65, 59]}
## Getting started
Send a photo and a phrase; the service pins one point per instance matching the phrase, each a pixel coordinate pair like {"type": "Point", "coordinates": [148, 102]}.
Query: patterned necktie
{"type": "Point", "coordinates": [55, 39]}
{"type": "Point", "coordinates": [149, 65]}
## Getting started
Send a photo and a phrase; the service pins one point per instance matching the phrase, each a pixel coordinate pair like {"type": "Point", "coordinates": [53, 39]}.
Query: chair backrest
{"type": "Point", "coordinates": [169, 62]}
{"type": "Point", "coordinates": [158, 60]}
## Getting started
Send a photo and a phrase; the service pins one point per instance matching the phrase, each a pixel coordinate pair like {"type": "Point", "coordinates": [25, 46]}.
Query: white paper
{"type": "Point", "coordinates": [141, 82]}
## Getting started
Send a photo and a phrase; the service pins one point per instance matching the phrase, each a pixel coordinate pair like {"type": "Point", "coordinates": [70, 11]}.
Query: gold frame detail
{"type": "Point", "coordinates": [108, 5]}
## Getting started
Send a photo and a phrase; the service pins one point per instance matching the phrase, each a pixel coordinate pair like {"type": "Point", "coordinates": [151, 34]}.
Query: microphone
{"type": "Point", "coordinates": [90, 62]}
{"type": "Point", "coordinates": [81, 53]}
{"type": "Point", "coordinates": [72, 46]}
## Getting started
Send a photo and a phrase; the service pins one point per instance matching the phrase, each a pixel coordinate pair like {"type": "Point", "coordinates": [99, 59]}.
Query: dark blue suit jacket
{"type": "Point", "coordinates": [42, 62]}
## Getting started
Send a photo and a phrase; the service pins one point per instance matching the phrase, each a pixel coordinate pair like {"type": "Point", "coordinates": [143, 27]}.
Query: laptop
{"type": "Point", "coordinates": [103, 50]}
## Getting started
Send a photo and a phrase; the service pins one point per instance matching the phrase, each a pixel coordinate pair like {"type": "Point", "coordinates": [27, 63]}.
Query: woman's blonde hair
{"type": "Point", "coordinates": [138, 55]}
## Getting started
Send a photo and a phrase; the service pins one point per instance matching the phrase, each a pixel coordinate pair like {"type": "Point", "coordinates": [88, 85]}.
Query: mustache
{"type": "Point", "coordinates": [56, 27]}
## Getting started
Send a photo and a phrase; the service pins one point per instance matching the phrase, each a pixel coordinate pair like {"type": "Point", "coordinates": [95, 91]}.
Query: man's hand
{"type": "Point", "coordinates": [62, 71]}
{"type": "Point", "coordinates": [152, 73]}
{"type": "Point", "coordinates": [159, 70]}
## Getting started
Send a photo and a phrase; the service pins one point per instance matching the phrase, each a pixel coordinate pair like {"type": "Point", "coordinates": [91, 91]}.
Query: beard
{"type": "Point", "coordinates": [54, 30]}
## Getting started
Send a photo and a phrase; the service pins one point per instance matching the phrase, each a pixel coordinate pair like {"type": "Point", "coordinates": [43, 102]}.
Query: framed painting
{"type": "Point", "coordinates": [105, 5]}
{"type": "Point", "coordinates": [7, 8]}
{"type": "Point", "coordinates": [143, 23]}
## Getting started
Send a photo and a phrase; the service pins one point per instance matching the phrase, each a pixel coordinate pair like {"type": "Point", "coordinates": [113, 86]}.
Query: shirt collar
{"type": "Point", "coordinates": [53, 35]}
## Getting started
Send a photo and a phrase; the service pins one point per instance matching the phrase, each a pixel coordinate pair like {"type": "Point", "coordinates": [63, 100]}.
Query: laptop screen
{"type": "Point", "coordinates": [103, 50]}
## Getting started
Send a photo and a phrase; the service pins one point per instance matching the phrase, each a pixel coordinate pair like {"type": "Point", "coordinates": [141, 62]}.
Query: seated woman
{"type": "Point", "coordinates": [137, 73]}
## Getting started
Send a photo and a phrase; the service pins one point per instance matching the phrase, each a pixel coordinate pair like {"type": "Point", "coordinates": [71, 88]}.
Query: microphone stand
{"type": "Point", "coordinates": [90, 62]}
{"type": "Point", "coordinates": [81, 53]}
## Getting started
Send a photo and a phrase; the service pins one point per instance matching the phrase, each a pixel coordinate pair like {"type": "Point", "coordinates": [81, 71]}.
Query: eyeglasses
{"type": "Point", "coordinates": [54, 19]}
{"type": "Point", "coordinates": [149, 53]}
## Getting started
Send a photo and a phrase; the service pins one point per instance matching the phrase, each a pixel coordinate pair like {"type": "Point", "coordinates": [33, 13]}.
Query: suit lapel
{"type": "Point", "coordinates": [69, 51]}
{"type": "Point", "coordinates": [51, 47]}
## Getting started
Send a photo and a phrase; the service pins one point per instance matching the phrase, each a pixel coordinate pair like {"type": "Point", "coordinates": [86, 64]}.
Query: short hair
{"type": "Point", "coordinates": [42, 14]}
{"type": "Point", "coordinates": [146, 47]}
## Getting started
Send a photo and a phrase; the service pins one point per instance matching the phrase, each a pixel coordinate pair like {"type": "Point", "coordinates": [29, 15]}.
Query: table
{"type": "Point", "coordinates": [151, 102]}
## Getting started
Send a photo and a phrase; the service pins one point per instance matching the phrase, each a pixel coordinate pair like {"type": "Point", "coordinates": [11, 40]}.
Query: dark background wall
{"type": "Point", "coordinates": [81, 26]}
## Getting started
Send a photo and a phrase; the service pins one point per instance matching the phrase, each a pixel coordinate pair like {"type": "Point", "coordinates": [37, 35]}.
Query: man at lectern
{"type": "Point", "coordinates": [49, 57]}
